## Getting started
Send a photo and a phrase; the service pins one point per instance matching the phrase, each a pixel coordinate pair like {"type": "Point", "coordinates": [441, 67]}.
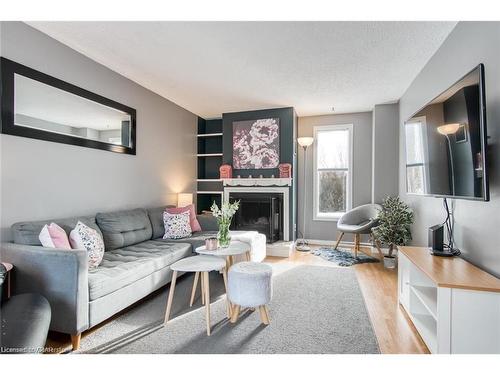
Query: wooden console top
{"type": "Point", "coordinates": [452, 272]}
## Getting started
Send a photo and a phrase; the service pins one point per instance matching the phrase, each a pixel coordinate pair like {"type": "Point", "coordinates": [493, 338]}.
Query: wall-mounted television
{"type": "Point", "coordinates": [446, 143]}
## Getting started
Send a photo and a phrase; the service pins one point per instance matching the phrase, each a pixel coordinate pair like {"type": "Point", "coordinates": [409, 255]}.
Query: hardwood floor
{"type": "Point", "coordinates": [395, 332]}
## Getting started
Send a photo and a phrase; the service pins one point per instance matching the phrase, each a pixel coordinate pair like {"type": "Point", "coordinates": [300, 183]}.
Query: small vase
{"type": "Point", "coordinates": [223, 235]}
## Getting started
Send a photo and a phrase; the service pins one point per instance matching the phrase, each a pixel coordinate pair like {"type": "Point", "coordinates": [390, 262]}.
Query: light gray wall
{"type": "Point", "coordinates": [477, 223]}
{"type": "Point", "coordinates": [385, 153]}
{"type": "Point", "coordinates": [49, 180]}
{"type": "Point", "coordinates": [362, 165]}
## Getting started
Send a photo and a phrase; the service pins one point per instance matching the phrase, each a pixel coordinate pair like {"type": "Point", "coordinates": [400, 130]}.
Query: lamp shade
{"type": "Point", "coordinates": [305, 141]}
{"type": "Point", "coordinates": [448, 129]}
{"type": "Point", "coordinates": [184, 199]}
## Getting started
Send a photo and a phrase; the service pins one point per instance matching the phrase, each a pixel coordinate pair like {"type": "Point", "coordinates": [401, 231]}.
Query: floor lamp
{"type": "Point", "coordinates": [447, 130]}
{"type": "Point", "coordinates": [301, 244]}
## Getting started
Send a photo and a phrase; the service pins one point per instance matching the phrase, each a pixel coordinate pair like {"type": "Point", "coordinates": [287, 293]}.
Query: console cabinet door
{"type": "Point", "coordinates": [404, 281]}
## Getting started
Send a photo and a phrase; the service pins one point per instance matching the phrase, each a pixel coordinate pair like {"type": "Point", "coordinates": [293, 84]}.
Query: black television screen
{"type": "Point", "coordinates": [446, 143]}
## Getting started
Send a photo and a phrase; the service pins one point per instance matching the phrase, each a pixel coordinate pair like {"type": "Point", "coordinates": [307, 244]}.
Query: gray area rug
{"type": "Point", "coordinates": [343, 257]}
{"type": "Point", "coordinates": [314, 310]}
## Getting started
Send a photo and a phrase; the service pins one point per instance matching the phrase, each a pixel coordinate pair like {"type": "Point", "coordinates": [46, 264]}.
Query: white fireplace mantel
{"type": "Point", "coordinates": [264, 181]}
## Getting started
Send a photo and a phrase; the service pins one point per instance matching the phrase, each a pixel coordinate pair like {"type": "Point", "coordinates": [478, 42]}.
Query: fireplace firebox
{"type": "Point", "coordinates": [261, 212]}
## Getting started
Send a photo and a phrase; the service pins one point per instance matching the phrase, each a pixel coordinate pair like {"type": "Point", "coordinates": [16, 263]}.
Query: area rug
{"type": "Point", "coordinates": [314, 310]}
{"type": "Point", "coordinates": [343, 257]}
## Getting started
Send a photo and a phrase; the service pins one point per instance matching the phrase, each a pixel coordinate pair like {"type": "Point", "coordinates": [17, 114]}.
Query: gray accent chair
{"type": "Point", "coordinates": [136, 262]}
{"type": "Point", "coordinates": [358, 221]}
{"type": "Point", "coordinates": [25, 320]}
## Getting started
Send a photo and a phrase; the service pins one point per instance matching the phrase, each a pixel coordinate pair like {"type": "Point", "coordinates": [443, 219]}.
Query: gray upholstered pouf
{"type": "Point", "coordinates": [249, 284]}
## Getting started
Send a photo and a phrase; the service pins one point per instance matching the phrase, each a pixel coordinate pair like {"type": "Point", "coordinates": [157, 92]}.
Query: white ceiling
{"type": "Point", "coordinates": [214, 67]}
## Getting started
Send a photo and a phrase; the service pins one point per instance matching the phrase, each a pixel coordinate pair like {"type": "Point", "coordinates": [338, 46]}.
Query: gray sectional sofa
{"type": "Point", "coordinates": [136, 262]}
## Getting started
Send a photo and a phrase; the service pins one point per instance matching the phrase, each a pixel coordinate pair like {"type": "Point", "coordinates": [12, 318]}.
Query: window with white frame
{"type": "Point", "coordinates": [416, 166]}
{"type": "Point", "coordinates": [332, 171]}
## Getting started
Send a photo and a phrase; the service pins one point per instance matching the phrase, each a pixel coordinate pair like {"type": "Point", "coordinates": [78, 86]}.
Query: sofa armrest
{"type": "Point", "coordinates": [61, 276]}
{"type": "Point", "coordinates": [208, 222]}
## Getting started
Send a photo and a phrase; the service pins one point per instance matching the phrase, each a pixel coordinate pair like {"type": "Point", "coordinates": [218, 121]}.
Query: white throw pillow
{"type": "Point", "coordinates": [86, 238]}
{"type": "Point", "coordinates": [176, 225]}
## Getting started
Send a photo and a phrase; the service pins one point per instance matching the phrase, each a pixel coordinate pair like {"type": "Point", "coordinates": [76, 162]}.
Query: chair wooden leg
{"type": "Point", "coordinates": [193, 290]}
{"type": "Point", "coordinates": [75, 341]}
{"type": "Point", "coordinates": [228, 304]}
{"type": "Point", "coordinates": [170, 297]}
{"type": "Point", "coordinates": [236, 313]}
{"type": "Point", "coordinates": [339, 239]}
{"type": "Point", "coordinates": [207, 301]}
{"type": "Point", "coordinates": [263, 315]}
{"type": "Point", "coordinates": [356, 245]}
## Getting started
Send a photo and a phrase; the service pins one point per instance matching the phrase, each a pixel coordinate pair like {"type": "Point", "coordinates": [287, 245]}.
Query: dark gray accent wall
{"type": "Point", "coordinates": [42, 179]}
{"type": "Point", "coordinates": [288, 146]}
{"type": "Point", "coordinates": [362, 170]}
{"type": "Point", "coordinates": [477, 223]}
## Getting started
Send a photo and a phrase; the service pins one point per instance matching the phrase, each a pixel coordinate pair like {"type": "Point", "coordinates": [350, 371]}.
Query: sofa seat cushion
{"type": "Point", "coordinates": [196, 240]}
{"type": "Point", "coordinates": [122, 267]}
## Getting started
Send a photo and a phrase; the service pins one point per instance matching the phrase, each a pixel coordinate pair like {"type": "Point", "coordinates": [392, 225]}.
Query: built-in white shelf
{"type": "Point", "coordinates": [209, 192]}
{"type": "Point", "coordinates": [205, 155]}
{"type": "Point", "coordinates": [210, 135]}
{"type": "Point", "coordinates": [209, 180]}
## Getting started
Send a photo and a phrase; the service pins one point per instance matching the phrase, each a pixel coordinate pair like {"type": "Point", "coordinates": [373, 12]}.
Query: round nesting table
{"type": "Point", "coordinates": [200, 264]}
{"type": "Point", "coordinates": [234, 248]}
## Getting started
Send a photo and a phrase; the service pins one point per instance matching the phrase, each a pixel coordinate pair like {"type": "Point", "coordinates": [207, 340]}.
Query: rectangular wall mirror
{"type": "Point", "coordinates": [39, 106]}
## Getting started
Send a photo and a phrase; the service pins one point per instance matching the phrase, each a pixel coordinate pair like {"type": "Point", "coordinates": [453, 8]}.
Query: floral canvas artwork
{"type": "Point", "coordinates": [256, 144]}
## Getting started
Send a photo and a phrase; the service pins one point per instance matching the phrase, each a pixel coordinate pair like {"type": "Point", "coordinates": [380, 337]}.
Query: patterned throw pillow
{"type": "Point", "coordinates": [176, 225]}
{"type": "Point", "coordinates": [193, 221]}
{"type": "Point", "coordinates": [86, 238]}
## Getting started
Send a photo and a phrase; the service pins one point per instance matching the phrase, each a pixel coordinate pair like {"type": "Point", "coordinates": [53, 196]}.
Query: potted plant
{"type": "Point", "coordinates": [394, 222]}
{"type": "Point", "coordinates": [224, 216]}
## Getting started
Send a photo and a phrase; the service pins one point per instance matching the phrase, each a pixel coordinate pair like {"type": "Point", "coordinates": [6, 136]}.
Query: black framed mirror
{"type": "Point", "coordinates": [36, 105]}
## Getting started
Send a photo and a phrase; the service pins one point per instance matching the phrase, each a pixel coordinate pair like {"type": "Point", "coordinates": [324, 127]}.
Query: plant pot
{"type": "Point", "coordinates": [390, 261]}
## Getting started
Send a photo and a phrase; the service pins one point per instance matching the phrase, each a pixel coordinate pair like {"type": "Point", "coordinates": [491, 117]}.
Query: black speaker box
{"type": "Point", "coordinates": [436, 236]}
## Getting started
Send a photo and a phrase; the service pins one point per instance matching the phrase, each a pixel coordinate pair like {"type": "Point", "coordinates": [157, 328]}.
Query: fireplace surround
{"type": "Point", "coordinates": [261, 212]}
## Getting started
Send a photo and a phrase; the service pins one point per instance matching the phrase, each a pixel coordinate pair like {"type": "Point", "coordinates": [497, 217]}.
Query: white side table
{"type": "Point", "coordinates": [199, 264]}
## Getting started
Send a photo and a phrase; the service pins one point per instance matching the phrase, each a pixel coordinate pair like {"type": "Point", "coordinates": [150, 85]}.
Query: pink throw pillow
{"type": "Point", "coordinates": [193, 221]}
{"type": "Point", "coordinates": [54, 236]}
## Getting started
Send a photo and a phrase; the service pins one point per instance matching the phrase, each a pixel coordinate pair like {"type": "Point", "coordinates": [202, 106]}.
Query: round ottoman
{"type": "Point", "coordinates": [249, 285]}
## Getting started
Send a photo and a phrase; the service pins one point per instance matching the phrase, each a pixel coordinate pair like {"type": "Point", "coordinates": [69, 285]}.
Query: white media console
{"type": "Point", "coordinates": [454, 305]}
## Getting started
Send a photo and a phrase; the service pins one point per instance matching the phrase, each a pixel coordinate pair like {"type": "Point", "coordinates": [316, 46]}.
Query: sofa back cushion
{"type": "Point", "coordinates": [27, 232]}
{"type": "Point", "coordinates": [124, 228]}
{"type": "Point", "coordinates": [156, 217]}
